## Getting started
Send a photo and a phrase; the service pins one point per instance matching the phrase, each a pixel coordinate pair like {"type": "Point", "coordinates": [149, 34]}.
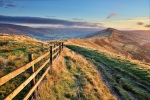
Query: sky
{"type": "Point", "coordinates": [119, 14]}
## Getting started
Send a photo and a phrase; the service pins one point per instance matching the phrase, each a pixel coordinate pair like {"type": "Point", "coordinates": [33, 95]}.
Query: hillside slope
{"type": "Point", "coordinates": [94, 72]}
{"type": "Point", "coordinates": [46, 33]}
{"type": "Point", "coordinates": [14, 51]}
{"type": "Point", "coordinates": [73, 78]}
{"type": "Point", "coordinates": [20, 30]}
{"type": "Point", "coordinates": [118, 43]}
{"type": "Point", "coordinates": [125, 79]}
{"type": "Point", "coordinates": [103, 33]}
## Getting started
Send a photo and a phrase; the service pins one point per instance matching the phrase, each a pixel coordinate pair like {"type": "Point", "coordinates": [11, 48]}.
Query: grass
{"type": "Point", "coordinates": [73, 78]}
{"type": "Point", "coordinates": [13, 55]}
{"type": "Point", "coordinates": [126, 77]}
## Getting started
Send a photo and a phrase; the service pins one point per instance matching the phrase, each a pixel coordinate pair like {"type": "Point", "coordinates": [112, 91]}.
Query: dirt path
{"type": "Point", "coordinates": [109, 83]}
{"type": "Point", "coordinates": [124, 80]}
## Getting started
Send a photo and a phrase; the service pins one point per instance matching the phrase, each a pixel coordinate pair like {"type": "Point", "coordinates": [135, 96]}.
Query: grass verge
{"type": "Point", "coordinates": [131, 82]}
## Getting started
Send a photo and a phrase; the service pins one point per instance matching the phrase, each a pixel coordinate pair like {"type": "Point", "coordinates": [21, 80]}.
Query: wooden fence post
{"type": "Point", "coordinates": [30, 58]}
{"type": "Point", "coordinates": [51, 55]}
{"type": "Point", "coordinates": [56, 43]}
{"type": "Point", "coordinates": [54, 47]}
{"type": "Point", "coordinates": [59, 47]}
{"type": "Point", "coordinates": [62, 45]}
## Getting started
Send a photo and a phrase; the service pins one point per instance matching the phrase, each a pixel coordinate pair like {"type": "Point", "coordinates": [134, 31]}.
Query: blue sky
{"type": "Point", "coordinates": [104, 13]}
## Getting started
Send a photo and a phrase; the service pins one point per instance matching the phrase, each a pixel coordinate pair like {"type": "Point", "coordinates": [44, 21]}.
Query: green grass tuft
{"type": "Point", "coordinates": [125, 76]}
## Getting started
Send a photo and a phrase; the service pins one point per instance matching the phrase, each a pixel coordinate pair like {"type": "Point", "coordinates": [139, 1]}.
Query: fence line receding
{"type": "Point", "coordinates": [55, 49]}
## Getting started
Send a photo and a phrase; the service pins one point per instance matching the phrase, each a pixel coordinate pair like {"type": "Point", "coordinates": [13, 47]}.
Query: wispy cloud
{"type": "Point", "coordinates": [39, 20]}
{"type": "Point", "coordinates": [140, 23]}
{"type": "Point", "coordinates": [77, 19]}
{"type": "Point", "coordinates": [140, 19]}
{"type": "Point", "coordinates": [148, 26]}
{"type": "Point", "coordinates": [10, 6]}
{"type": "Point", "coordinates": [7, 4]}
{"type": "Point", "coordinates": [50, 16]}
{"type": "Point", "coordinates": [111, 15]}
{"type": "Point", "coordinates": [1, 3]}
{"type": "Point", "coordinates": [131, 23]}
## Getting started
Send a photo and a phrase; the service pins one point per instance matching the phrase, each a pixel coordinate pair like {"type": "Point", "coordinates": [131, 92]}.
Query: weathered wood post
{"type": "Point", "coordinates": [59, 47]}
{"type": "Point", "coordinates": [62, 45]}
{"type": "Point", "coordinates": [51, 55]}
{"type": "Point", "coordinates": [54, 47]}
{"type": "Point", "coordinates": [30, 58]}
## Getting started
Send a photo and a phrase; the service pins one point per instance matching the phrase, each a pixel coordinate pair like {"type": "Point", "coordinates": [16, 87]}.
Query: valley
{"type": "Point", "coordinates": [46, 33]}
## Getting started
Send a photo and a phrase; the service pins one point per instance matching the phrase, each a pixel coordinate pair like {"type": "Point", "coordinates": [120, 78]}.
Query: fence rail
{"type": "Point", "coordinates": [53, 53]}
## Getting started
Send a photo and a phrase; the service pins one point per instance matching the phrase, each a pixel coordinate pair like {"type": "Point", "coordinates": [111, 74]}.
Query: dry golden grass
{"type": "Point", "coordinates": [18, 38]}
{"type": "Point", "coordinates": [3, 62]}
{"type": "Point", "coordinates": [15, 47]}
{"type": "Point", "coordinates": [73, 77]}
{"type": "Point", "coordinates": [89, 44]}
{"type": "Point", "coordinates": [14, 51]}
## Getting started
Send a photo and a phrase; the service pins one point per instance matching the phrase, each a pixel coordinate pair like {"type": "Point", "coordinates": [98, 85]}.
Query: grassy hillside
{"type": "Point", "coordinates": [73, 78]}
{"type": "Point", "coordinates": [123, 76]}
{"type": "Point", "coordinates": [14, 50]}
{"type": "Point", "coordinates": [93, 70]}
{"type": "Point", "coordinates": [118, 45]}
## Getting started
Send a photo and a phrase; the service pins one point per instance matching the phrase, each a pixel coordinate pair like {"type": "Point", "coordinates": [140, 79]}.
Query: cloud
{"type": "Point", "coordinates": [140, 23]}
{"type": "Point", "coordinates": [130, 23]}
{"type": "Point", "coordinates": [39, 20]}
{"type": "Point", "coordinates": [77, 19]}
{"type": "Point", "coordinates": [10, 6]}
{"type": "Point", "coordinates": [1, 3]}
{"type": "Point", "coordinates": [7, 4]}
{"type": "Point", "coordinates": [148, 26]}
{"type": "Point", "coordinates": [51, 16]}
{"type": "Point", "coordinates": [111, 15]}
{"type": "Point", "coordinates": [139, 19]}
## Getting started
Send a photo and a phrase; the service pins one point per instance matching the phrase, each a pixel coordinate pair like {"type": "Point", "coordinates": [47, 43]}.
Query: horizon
{"type": "Point", "coordinates": [122, 15]}
{"type": "Point", "coordinates": [98, 29]}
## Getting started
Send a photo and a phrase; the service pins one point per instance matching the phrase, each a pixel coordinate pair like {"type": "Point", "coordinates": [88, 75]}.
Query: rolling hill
{"type": "Point", "coordinates": [46, 33]}
{"type": "Point", "coordinates": [103, 33]}
{"type": "Point", "coordinates": [128, 44]}
{"type": "Point", "coordinates": [110, 66]}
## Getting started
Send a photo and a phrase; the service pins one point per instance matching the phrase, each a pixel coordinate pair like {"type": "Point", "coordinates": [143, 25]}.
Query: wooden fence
{"type": "Point", "coordinates": [53, 53]}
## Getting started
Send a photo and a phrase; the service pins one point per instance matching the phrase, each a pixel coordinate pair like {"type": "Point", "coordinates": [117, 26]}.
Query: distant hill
{"type": "Point", "coordinates": [46, 33]}
{"type": "Point", "coordinates": [131, 44]}
{"type": "Point", "coordinates": [6, 38]}
{"type": "Point", "coordinates": [21, 30]}
{"type": "Point", "coordinates": [141, 36]}
{"type": "Point", "coordinates": [103, 33]}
